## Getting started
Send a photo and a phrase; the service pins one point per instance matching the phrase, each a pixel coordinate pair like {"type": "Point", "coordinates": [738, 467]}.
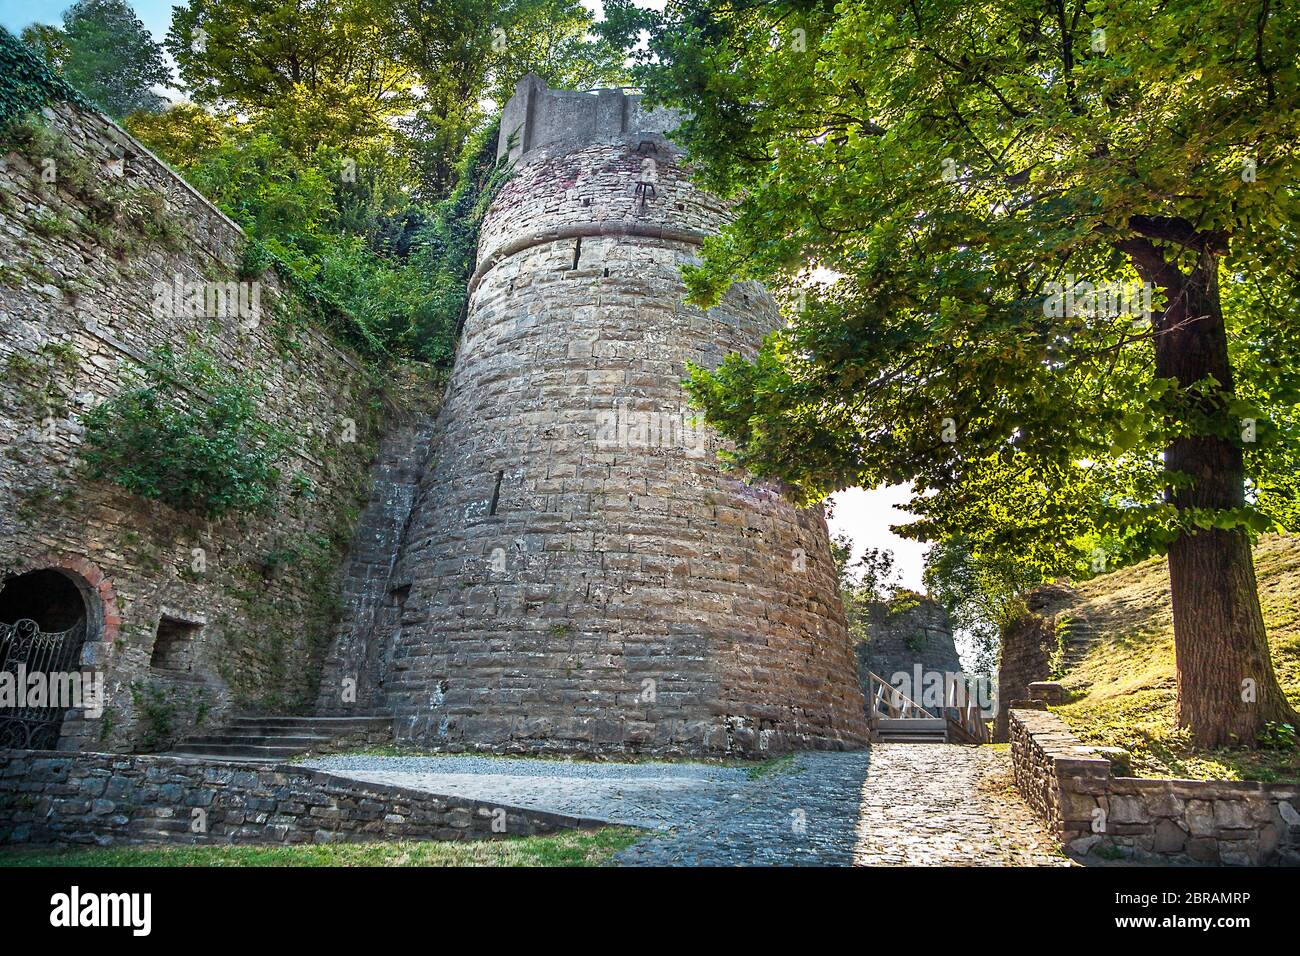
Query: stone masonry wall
{"type": "Point", "coordinates": [48, 797]}
{"type": "Point", "coordinates": [351, 679]}
{"type": "Point", "coordinates": [578, 573]}
{"type": "Point", "coordinates": [1071, 788]}
{"type": "Point", "coordinates": [1028, 644]}
{"type": "Point", "coordinates": [77, 311]}
{"type": "Point", "coordinates": [909, 630]}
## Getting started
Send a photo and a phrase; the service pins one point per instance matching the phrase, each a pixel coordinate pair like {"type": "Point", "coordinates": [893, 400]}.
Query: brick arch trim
{"type": "Point", "coordinates": [96, 589]}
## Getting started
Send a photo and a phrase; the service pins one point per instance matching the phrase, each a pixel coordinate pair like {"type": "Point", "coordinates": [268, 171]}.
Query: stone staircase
{"type": "Point", "coordinates": [1078, 637]}
{"type": "Point", "coordinates": [276, 739]}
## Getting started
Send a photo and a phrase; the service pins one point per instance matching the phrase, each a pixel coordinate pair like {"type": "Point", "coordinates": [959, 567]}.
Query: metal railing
{"type": "Point", "coordinates": [26, 649]}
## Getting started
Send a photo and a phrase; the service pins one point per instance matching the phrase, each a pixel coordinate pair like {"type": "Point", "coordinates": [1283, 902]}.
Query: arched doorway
{"type": "Point", "coordinates": [44, 618]}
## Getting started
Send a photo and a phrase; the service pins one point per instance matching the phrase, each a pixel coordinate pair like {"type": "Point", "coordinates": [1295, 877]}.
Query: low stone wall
{"type": "Point", "coordinates": [51, 797]}
{"type": "Point", "coordinates": [1025, 658]}
{"type": "Point", "coordinates": [1071, 788]}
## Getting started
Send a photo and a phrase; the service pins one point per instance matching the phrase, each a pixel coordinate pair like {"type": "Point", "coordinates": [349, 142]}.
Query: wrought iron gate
{"type": "Point", "coordinates": [24, 644]}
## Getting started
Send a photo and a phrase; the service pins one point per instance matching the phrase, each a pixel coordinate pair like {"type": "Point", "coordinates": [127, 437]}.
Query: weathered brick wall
{"type": "Point", "coordinates": [74, 316]}
{"type": "Point", "coordinates": [1071, 788]}
{"type": "Point", "coordinates": [48, 797]}
{"type": "Point", "coordinates": [579, 574]}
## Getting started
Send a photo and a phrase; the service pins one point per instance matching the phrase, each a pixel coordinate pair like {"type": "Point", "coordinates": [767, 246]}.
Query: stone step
{"type": "Point", "coordinates": [325, 725]}
{"type": "Point", "coordinates": [237, 750]}
{"type": "Point", "coordinates": [273, 739]}
{"type": "Point", "coordinates": [263, 740]}
{"type": "Point", "coordinates": [911, 730]}
{"type": "Point", "coordinates": [912, 724]}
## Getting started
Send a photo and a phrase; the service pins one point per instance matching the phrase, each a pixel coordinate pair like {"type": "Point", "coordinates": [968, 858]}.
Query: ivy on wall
{"type": "Point", "coordinates": [27, 84]}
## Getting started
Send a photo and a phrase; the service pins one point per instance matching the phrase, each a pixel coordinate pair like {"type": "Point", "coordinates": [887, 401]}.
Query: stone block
{"type": "Point", "coordinates": [1200, 818]}
{"type": "Point", "coordinates": [1170, 838]}
{"type": "Point", "coordinates": [1128, 809]}
{"type": "Point", "coordinates": [1233, 814]}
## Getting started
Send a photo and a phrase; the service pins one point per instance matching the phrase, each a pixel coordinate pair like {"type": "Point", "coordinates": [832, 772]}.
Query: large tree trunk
{"type": "Point", "coordinates": [1227, 690]}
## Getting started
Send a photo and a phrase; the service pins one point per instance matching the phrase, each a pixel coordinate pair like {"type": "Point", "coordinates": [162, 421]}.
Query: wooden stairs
{"type": "Point", "coordinates": [897, 719]}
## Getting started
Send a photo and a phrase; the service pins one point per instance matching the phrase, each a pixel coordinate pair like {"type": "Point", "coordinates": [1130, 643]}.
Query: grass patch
{"type": "Point", "coordinates": [771, 767]}
{"type": "Point", "coordinates": [571, 848]}
{"type": "Point", "coordinates": [1122, 693]}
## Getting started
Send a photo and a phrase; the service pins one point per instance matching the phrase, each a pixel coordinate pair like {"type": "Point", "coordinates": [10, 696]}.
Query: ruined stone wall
{"type": "Point", "coordinates": [77, 312]}
{"type": "Point", "coordinates": [578, 573]}
{"type": "Point", "coordinates": [908, 630]}
{"type": "Point", "coordinates": [1029, 647]}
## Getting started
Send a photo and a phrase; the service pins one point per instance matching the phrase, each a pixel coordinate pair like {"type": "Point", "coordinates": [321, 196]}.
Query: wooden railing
{"type": "Point", "coordinates": [965, 721]}
{"type": "Point", "coordinates": [888, 701]}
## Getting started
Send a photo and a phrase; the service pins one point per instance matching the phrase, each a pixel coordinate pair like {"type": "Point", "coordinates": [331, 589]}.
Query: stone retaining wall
{"type": "Point", "coordinates": [50, 797]}
{"type": "Point", "coordinates": [76, 319]}
{"type": "Point", "coordinates": [1070, 786]}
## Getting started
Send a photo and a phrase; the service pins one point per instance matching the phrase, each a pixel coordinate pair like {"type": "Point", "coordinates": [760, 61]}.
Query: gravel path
{"type": "Point", "coordinates": [947, 805]}
{"type": "Point", "coordinates": [895, 804]}
{"type": "Point", "coordinates": [656, 796]}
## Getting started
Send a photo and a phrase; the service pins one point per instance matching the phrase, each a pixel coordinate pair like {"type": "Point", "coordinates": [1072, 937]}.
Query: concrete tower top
{"type": "Point", "coordinates": [563, 120]}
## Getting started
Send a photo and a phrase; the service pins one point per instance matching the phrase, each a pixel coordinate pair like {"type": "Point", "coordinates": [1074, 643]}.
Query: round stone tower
{"type": "Point", "coordinates": [578, 573]}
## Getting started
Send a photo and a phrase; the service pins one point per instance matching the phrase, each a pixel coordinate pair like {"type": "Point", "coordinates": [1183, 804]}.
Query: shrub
{"type": "Point", "coordinates": [187, 434]}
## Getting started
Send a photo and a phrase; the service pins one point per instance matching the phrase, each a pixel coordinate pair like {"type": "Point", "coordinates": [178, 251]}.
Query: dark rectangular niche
{"type": "Point", "coordinates": [175, 644]}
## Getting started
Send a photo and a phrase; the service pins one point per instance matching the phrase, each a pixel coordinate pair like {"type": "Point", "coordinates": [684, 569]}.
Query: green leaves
{"type": "Point", "coordinates": [944, 163]}
{"type": "Point", "coordinates": [187, 434]}
{"type": "Point", "coordinates": [27, 83]}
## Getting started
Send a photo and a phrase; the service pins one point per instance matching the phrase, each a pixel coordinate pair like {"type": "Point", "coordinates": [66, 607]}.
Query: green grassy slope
{"type": "Point", "coordinates": [1122, 691]}
{"type": "Point", "coordinates": [571, 848]}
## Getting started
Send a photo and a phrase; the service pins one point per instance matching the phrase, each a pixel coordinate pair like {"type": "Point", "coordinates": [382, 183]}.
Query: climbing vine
{"type": "Point", "coordinates": [27, 84]}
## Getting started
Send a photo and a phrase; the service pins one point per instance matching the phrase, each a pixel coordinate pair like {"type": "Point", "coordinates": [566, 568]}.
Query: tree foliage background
{"type": "Point", "coordinates": [926, 185]}
{"type": "Point", "coordinates": [106, 53]}
{"type": "Point", "coordinates": [352, 139]}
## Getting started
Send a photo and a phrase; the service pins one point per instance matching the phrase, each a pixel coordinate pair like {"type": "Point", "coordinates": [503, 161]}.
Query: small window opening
{"type": "Point", "coordinates": [577, 252]}
{"type": "Point", "coordinates": [174, 645]}
{"type": "Point", "coordinates": [496, 493]}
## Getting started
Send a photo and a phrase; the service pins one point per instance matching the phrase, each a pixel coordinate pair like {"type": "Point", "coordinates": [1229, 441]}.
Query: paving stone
{"type": "Point", "coordinates": [894, 804]}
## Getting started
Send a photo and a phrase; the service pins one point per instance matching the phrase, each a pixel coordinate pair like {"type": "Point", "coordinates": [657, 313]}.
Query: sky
{"type": "Point", "coordinates": [16, 14]}
{"type": "Point", "coordinates": [864, 515]}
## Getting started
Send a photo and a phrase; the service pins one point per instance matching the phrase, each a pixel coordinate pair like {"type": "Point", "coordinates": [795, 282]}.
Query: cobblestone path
{"type": "Point", "coordinates": [947, 805]}
{"type": "Point", "coordinates": [895, 804]}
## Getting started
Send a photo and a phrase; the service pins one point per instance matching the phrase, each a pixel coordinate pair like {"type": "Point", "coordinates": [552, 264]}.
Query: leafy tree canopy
{"type": "Point", "coordinates": [945, 163]}
{"type": "Point", "coordinates": [107, 54]}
